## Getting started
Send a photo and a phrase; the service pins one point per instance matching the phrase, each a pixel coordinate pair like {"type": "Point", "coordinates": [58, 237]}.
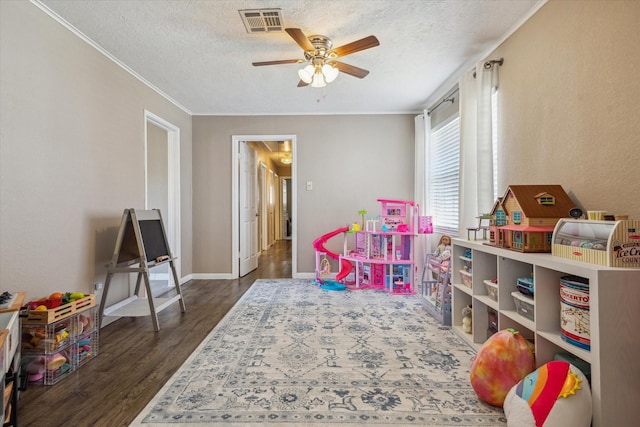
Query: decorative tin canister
{"type": "Point", "coordinates": [574, 311]}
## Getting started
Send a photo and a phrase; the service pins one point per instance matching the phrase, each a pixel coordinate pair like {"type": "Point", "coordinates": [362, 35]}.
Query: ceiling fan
{"type": "Point", "coordinates": [323, 66]}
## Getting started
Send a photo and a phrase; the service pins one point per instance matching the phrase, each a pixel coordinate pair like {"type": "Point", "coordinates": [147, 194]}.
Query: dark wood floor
{"type": "Point", "coordinates": [134, 362]}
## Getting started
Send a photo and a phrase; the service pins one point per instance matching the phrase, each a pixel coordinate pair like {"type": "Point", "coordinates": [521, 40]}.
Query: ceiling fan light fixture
{"type": "Point", "coordinates": [322, 56]}
{"type": "Point", "coordinates": [306, 73]}
{"type": "Point", "coordinates": [318, 80]}
{"type": "Point", "coordinates": [330, 73]}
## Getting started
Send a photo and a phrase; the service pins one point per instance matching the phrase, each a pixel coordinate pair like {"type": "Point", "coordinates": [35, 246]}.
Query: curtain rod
{"type": "Point", "coordinates": [488, 64]}
{"type": "Point", "coordinates": [449, 98]}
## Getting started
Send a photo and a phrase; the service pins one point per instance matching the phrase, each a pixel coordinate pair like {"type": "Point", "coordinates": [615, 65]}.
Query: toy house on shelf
{"type": "Point", "coordinates": [525, 217]}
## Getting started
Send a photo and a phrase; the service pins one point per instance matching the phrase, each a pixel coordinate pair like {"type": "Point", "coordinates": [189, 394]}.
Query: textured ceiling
{"type": "Point", "coordinates": [199, 54]}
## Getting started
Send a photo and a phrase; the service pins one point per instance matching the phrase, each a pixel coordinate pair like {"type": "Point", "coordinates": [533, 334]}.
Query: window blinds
{"type": "Point", "coordinates": [444, 176]}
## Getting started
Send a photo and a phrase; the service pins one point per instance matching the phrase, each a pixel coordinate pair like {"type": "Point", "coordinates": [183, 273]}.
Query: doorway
{"type": "Point", "coordinates": [162, 190]}
{"type": "Point", "coordinates": [270, 190]}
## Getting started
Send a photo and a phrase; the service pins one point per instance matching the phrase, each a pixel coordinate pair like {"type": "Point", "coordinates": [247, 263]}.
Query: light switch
{"type": "Point", "coordinates": [309, 185]}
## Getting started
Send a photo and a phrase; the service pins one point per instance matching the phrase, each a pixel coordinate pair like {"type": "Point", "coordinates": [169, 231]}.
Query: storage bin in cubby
{"type": "Point", "coordinates": [466, 264]}
{"type": "Point", "coordinates": [466, 278]}
{"type": "Point", "coordinates": [492, 322]}
{"type": "Point", "coordinates": [48, 369]}
{"type": "Point", "coordinates": [87, 321]}
{"type": "Point", "coordinates": [86, 348]}
{"type": "Point", "coordinates": [524, 305]}
{"type": "Point", "coordinates": [492, 289]}
{"type": "Point", "coordinates": [49, 338]}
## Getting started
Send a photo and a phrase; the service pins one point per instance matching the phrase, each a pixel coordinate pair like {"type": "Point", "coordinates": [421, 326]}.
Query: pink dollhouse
{"type": "Point", "coordinates": [382, 256]}
{"type": "Point", "coordinates": [524, 218]}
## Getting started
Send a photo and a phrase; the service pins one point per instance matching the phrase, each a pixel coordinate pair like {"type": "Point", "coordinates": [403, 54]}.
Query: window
{"type": "Point", "coordinates": [501, 218]}
{"type": "Point", "coordinates": [517, 217]}
{"type": "Point", "coordinates": [546, 199]}
{"type": "Point", "coordinates": [443, 178]}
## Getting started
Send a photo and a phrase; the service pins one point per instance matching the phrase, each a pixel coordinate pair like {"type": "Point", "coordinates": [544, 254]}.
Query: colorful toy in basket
{"type": "Point", "coordinates": [555, 395]}
{"type": "Point", "coordinates": [55, 300]}
{"type": "Point", "coordinates": [503, 360]}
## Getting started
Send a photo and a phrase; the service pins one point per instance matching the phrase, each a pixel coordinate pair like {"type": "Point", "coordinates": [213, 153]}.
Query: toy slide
{"type": "Point", "coordinates": [318, 245]}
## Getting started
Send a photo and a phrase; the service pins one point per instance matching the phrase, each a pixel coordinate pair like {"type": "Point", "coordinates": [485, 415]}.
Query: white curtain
{"type": "Point", "coordinates": [422, 127]}
{"type": "Point", "coordinates": [486, 82]}
{"type": "Point", "coordinates": [468, 165]}
{"type": "Point", "coordinates": [420, 161]}
{"type": "Point", "coordinates": [476, 139]}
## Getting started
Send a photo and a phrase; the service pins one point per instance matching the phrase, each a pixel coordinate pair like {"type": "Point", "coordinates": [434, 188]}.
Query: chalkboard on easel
{"type": "Point", "coordinates": [141, 240]}
{"type": "Point", "coordinates": [153, 240]}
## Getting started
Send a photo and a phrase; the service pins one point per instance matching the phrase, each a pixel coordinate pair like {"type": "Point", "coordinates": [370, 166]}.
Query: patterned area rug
{"type": "Point", "coordinates": [291, 354]}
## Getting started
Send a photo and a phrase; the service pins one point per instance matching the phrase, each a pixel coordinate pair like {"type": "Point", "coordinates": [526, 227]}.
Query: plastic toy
{"type": "Point", "coordinates": [55, 362]}
{"type": "Point", "coordinates": [555, 395]}
{"type": "Point", "coordinates": [331, 285]}
{"type": "Point", "coordinates": [35, 369]}
{"type": "Point", "coordinates": [362, 213]}
{"type": "Point", "coordinates": [502, 361]}
{"type": "Point", "coordinates": [318, 245]}
{"type": "Point", "coordinates": [383, 257]}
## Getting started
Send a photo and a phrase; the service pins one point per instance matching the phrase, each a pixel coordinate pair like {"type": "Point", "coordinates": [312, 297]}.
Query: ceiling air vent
{"type": "Point", "coordinates": [262, 20]}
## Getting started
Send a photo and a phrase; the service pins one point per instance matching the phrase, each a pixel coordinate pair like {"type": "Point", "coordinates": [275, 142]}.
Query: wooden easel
{"type": "Point", "coordinates": [141, 244]}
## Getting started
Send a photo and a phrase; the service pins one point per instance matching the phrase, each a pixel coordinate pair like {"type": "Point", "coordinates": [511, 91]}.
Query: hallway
{"type": "Point", "coordinates": [275, 262]}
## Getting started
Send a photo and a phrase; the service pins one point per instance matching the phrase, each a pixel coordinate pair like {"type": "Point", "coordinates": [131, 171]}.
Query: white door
{"type": "Point", "coordinates": [248, 199]}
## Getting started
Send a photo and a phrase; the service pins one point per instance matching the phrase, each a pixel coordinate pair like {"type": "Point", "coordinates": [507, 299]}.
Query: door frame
{"type": "Point", "coordinates": [172, 217]}
{"type": "Point", "coordinates": [235, 209]}
{"type": "Point", "coordinates": [262, 190]}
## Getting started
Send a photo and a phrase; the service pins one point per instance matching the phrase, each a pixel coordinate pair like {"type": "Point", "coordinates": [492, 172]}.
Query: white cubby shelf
{"type": "Point", "coordinates": [614, 315]}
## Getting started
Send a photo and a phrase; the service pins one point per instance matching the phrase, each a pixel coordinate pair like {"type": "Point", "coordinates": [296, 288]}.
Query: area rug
{"type": "Point", "coordinates": [292, 354]}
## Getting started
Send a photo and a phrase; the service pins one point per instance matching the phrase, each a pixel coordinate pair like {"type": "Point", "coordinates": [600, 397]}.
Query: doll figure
{"type": "Point", "coordinates": [443, 251]}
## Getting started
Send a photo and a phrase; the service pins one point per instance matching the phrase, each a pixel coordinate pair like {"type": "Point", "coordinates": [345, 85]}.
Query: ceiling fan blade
{"type": "Point", "coordinates": [301, 83]}
{"type": "Point", "coordinates": [283, 61]}
{"type": "Point", "coordinates": [356, 46]}
{"type": "Point", "coordinates": [302, 40]}
{"type": "Point", "coordinates": [354, 71]}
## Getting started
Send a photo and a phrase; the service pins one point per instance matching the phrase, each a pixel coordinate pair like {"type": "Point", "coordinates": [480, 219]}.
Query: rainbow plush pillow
{"type": "Point", "coordinates": [555, 395]}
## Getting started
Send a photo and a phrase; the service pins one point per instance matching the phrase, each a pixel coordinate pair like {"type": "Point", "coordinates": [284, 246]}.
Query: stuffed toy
{"type": "Point", "coordinates": [555, 395]}
{"type": "Point", "coordinates": [502, 361]}
{"type": "Point", "coordinates": [467, 313]}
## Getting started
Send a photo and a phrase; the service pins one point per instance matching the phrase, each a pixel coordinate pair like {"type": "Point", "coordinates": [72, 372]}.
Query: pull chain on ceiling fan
{"type": "Point", "coordinates": [323, 66]}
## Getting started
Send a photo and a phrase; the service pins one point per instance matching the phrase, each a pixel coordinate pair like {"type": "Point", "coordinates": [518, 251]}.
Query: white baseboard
{"type": "Point", "coordinates": [211, 276]}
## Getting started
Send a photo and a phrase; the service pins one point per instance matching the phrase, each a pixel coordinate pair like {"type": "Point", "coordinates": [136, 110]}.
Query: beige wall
{"type": "Point", "coordinates": [351, 160]}
{"type": "Point", "coordinates": [71, 155]}
{"type": "Point", "coordinates": [569, 101]}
